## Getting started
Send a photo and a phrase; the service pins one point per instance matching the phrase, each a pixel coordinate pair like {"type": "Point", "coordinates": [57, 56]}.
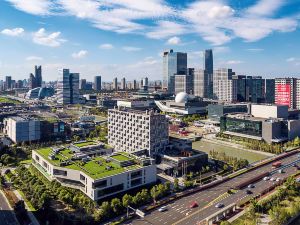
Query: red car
{"type": "Point", "coordinates": [194, 205]}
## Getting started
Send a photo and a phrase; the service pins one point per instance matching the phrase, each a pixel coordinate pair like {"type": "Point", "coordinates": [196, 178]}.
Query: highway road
{"type": "Point", "coordinates": [7, 216]}
{"type": "Point", "coordinates": [179, 212]}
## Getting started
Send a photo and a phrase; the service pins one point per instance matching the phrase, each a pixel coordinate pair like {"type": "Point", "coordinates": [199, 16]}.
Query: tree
{"type": "Point", "coordinates": [126, 200]}
{"type": "Point", "coordinates": [154, 193]}
{"type": "Point", "coordinates": [116, 205]}
{"type": "Point", "coordinates": [105, 209]}
{"type": "Point", "coordinates": [176, 184]}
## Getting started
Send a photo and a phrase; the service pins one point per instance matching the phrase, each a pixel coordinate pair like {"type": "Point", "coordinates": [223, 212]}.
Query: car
{"type": "Point", "coordinates": [295, 165]}
{"type": "Point", "coordinates": [278, 179]}
{"type": "Point", "coordinates": [251, 186]}
{"type": "Point", "coordinates": [194, 205]}
{"type": "Point", "coordinates": [219, 205]}
{"type": "Point", "coordinates": [266, 178]}
{"type": "Point", "coordinates": [163, 208]}
{"type": "Point", "coordinates": [281, 171]}
{"type": "Point", "coordinates": [248, 192]}
{"type": "Point", "coordinates": [272, 179]}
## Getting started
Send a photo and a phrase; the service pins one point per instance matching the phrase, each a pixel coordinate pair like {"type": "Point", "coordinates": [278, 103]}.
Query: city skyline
{"type": "Point", "coordinates": [44, 32]}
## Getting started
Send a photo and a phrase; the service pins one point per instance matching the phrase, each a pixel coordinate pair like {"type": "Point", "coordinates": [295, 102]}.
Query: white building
{"type": "Point", "coordinates": [132, 130]}
{"type": "Point", "coordinates": [224, 88]}
{"type": "Point", "coordinates": [111, 173]}
{"type": "Point", "coordinates": [20, 129]}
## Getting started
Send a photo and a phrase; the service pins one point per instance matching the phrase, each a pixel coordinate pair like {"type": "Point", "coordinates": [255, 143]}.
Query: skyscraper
{"type": "Point", "coordinates": [123, 84]}
{"type": "Point", "coordinates": [240, 87]}
{"type": "Point", "coordinates": [38, 75]}
{"type": "Point", "coordinates": [184, 82]}
{"type": "Point", "coordinates": [255, 89]}
{"type": "Point", "coordinates": [134, 85]}
{"type": "Point", "coordinates": [97, 83]}
{"type": "Point", "coordinates": [286, 92]}
{"type": "Point", "coordinates": [115, 84]}
{"type": "Point", "coordinates": [199, 87]}
{"type": "Point", "coordinates": [173, 63]}
{"type": "Point", "coordinates": [209, 71]}
{"type": "Point", "coordinates": [7, 82]}
{"type": "Point", "coordinates": [82, 84]}
{"type": "Point", "coordinates": [224, 87]}
{"type": "Point", "coordinates": [68, 87]}
{"type": "Point", "coordinates": [270, 91]}
{"type": "Point", "coordinates": [31, 81]}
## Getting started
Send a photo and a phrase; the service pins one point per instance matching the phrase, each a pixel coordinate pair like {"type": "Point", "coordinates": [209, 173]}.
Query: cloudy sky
{"type": "Point", "coordinates": [126, 37]}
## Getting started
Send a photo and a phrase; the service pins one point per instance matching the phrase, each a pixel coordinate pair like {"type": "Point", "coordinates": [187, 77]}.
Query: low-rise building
{"type": "Point", "coordinates": [94, 169]}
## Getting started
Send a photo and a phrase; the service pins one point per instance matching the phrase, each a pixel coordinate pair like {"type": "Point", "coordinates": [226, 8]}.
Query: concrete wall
{"type": "Point", "coordinates": [267, 111]}
{"type": "Point", "coordinates": [271, 130]}
{"type": "Point", "coordinates": [294, 129]}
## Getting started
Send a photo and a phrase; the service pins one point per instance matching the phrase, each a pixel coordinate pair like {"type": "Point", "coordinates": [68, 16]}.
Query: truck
{"type": "Point", "coordinates": [276, 164]}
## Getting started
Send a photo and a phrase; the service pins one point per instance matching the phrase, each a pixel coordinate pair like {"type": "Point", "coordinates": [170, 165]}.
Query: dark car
{"type": "Point", "coordinates": [248, 192]}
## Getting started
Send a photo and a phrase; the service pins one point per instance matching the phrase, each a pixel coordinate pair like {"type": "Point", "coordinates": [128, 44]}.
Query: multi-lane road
{"type": "Point", "coordinates": [7, 216]}
{"type": "Point", "coordinates": [179, 211]}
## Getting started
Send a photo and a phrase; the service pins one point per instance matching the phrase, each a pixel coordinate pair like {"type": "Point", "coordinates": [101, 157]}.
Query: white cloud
{"type": "Point", "coordinates": [106, 46]}
{"type": "Point", "coordinates": [148, 61]}
{"type": "Point", "coordinates": [13, 32]}
{"type": "Point", "coordinates": [255, 49]}
{"type": "Point", "coordinates": [174, 41]}
{"type": "Point", "coordinates": [35, 7]}
{"type": "Point", "coordinates": [165, 29]}
{"type": "Point", "coordinates": [34, 58]}
{"type": "Point", "coordinates": [266, 7]}
{"type": "Point", "coordinates": [79, 55]}
{"type": "Point", "coordinates": [233, 62]}
{"type": "Point", "coordinates": [291, 59]}
{"type": "Point", "coordinates": [41, 37]}
{"type": "Point", "coordinates": [131, 49]}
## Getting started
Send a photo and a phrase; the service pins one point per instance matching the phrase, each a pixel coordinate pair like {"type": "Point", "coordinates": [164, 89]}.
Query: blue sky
{"type": "Point", "coordinates": [126, 37]}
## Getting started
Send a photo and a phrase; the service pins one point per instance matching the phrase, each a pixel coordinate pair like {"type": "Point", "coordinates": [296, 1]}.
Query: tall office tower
{"type": "Point", "coordinates": [1, 85]}
{"type": "Point", "coordinates": [286, 92]}
{"type": "Point", "coordinates": [224, 87]}
{"type": "Point", "coordinates": [184, 83]}
{"type": "Point", "coordinates": [134, 85]}
{"type": "Point", "coordinates": [7, 82]}
{"type": "Point", "coordinates": [68, 87]}
{"type": "Point", "coordinates": [209, 69]}
{"type": "Point", "coordinates": [132, 130]}
{"type": "Point", "coordinates": [146, 82]}
{"type": "Point", "coordinates": [115, 84]}
{"type": "Point", "coordinates": [82, 84]}
{"type": "Point", "coordinates": [141, 83]}
{"type": "Point", "coordinates": [241, 87]}
{"type": "Point", "coordinates": [199, 83]}
{"type": "Point", "coordinates": [38, 76]}
{"type": "Point", "coordinates": [123, 84]}
{"type": "Point", "coordinates": [97, 83]}
{"type": "Point", "coordinates": [270, 91]}
{"type": "Point", "coordinates": [173, 63]}
{"type": "Point", "coordinates": [255, 89]}
{"type": "Point", "coordinates": [19, 84]}
{"type": "Point", "coordinates": [31, 81]}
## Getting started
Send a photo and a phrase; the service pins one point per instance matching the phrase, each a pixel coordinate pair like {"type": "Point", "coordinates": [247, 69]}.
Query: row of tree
{"type": "Point", "coordinates": [232, 161]}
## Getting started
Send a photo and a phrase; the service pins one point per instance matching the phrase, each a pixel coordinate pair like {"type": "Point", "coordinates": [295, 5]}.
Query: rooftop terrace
{"type": "Point", "coordinates": [97, 167]}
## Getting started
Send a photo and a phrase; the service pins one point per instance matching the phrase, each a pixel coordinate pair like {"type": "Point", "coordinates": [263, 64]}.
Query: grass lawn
{"type": "Point", "coordinates": [83, 144]}
{"type": "Point", "coordinates": [27, 161]}
{"type": "Point", "coordinates": [121, 157]}
{"type": "Point", "coordinates": [206, 146]}
{"type": "Point", "coordinates": [7, 100]}
{"type": "Point", "coordinates": [28, 203]}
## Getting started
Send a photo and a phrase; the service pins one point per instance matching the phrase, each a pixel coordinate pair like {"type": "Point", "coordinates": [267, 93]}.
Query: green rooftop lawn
{"type": "Point", "coordinates": [86, 143]}
{"type": "Point", "coordinates": [121, 157]}
{"type": "Point", "coordinates": [8, 100]}
{"type": "Point", "coordinates": [91, 168]}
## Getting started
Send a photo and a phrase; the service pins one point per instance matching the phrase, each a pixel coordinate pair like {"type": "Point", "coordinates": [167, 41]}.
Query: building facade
{"type": "Point", "coordinates": [209, 72]}
{"type": "Point", "coordinates": [286, 92]}
{"type": "Point", "coordinates": [68, 87]}
{"type": "Point", "coordinates": [224, 87]}
{"type": "Point", "coordinates": [97, 83]}
{"type": "Point", "coordinates": [270, 91]}
{"type": "Point", "coordinates": [132, 130]}
{"type": "Point", "coordinates": [200, 79]}
{"type": "Point", "coordinates": [20, 129]}
{"type": "Point", "coordinates": [173, 63]}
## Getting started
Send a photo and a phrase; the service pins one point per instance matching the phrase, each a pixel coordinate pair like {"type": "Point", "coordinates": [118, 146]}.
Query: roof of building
{"type": "Point", "coordinates": [96, 167]}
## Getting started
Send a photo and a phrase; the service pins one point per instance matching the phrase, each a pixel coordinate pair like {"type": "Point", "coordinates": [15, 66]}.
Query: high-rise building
{"type": "Point", "coordinates": [209, 69]}
{"type": "Point", "coordinates": [115, 84]}
{"type": "Point", "coordinates": [132, 130]}
{"type": "Point", "coordinates": [82, 84]}
{"type": "Point", "coordinates": [199, 83]}
{"type": "Point", "coordinates": [286, 92]}
{"type": "Point", "coordinates": [7, 82]}
{"type": "Point", "coordinates": [240, 87]}
{"type": "Point", "coordinates": [224, 87]}
{"type": "Point", "coordinates": [184, 82]}
{"type": "Point", "coordinates": [123, 84]}
{"type": "Point", "coordinates": [270, 91]}
{"type": "Point", "coordinates": [173, 63]}
{"type": "Point", "coordinates": [38, 76]}
{"type": "Point", "coordinates": [97, 83]}
{"type": "Point", "coordinates": [68, 87]}
{"type": "Point", "coordinates": [255, 89]}
{"type": "Point", "coordinates": [134, 85]}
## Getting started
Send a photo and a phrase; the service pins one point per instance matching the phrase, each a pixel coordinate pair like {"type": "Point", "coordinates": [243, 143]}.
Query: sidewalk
{"type": "Point", "coordinates": [34, 221]}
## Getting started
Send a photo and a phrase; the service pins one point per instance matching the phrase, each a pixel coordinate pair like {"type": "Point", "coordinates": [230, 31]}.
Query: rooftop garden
{"type": "Point", "coordinates": [8, 100]}
{"type": "Point", "coordinates": [96, 168]}
{"type": "Point", "coordinates": [84, 144]}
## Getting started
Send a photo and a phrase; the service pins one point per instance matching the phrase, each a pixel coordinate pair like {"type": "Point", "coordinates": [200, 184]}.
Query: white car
{"type": "Point", "coordinates": [266, 178]}
{"type": "Point", "coordinates": [219, 205]}
{"type": "Point", "coordinates": [272, 179]}
{"type": "Point", "coordinates": [278, 179]}
{"type": "Point", "coordinates": [162, 209]}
